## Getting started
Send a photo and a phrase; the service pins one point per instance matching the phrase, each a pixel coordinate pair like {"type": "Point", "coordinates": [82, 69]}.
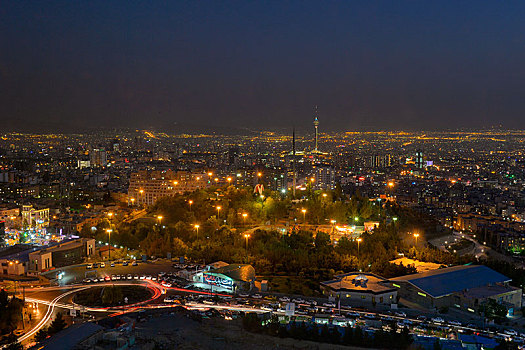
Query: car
{"type": "Point", "coordinates": [454, 323]}
{"type": "Point", "coordinates": [353, 314]}
{"type": "Point", "coordinates": [89, 266]}
{"type": "Point", "coordinates": [135, 263]}
{"type": "Point", "coordinates": [284, 299]}
{"type": "Point", "coordinates": [299, 300]}
{"type": "Point", "coordinates": [125, 263]}
{"type": "Point", "coordinates": [136, 277]}
{"type": "Point", "coordinates": [87, 280]}
{"type": "Point", "coordinates": [112, 264]}
{"type": "Point", "coordinates": [142, 277]}
{"type": "Point", "coordinates": [129, 277]}
{"type": "Point", "coordinates": [95, 280]}
{"type": "Point", "coordinates": [400, 314]}
{"type": "Point", "coordinates": [166, 284]}
{"type": "Point", "coordinates": [437, 320]}
{"type": "Point", "coordinates": [169, 299]}
{"type": "Point", "coordinates": [421, 318]}
{"type": "Point", "coordinates": [107, 278]}
{"type": "Point", "coordinates": [148, 277]}
{"type": "Point", "coordinates": [102, 264]}
{"type": "Point", "coordinates": [244, 295]}
{"type": "Point", "coordinates": [153, 278]}
{"type": "Point", "coordinates": [510, 332]}
{"type": "Point", "coordinates": [257, 296]}
{"type": "Point", "coordinates": [95, 265]}
{"type": "Point", "coordinates": [328, 304]}
{"type": "Point", "coordinates": [208, 302]}
{"type": "Point", "coordinates": [113, 277]}
{"type": "Point", "coordinates": [312, 302]}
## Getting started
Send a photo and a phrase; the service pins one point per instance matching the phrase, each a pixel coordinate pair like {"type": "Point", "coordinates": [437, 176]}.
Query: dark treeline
{"type": "Point", "coordinates": [329, 334]}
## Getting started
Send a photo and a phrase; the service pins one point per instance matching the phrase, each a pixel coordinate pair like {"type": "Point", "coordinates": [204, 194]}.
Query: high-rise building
{"type": "Point", "coordinates": [324, 177]}
{"type": "Point", "coordinates": [420, 162]}
{"type": "Point", "coordinates": [98, 157]}
{"type": "Point", "coordinates": [145, 187]}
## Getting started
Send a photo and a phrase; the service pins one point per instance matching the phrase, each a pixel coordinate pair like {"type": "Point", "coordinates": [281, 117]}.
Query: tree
{"type": "Point", "coordinates": [41, 335]}
{"type": "Point", "coordinates": [57, 325]}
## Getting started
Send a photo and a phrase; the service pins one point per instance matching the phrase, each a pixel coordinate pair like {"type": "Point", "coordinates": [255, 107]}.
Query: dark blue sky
{"type": "Point", "coordinates": [367, 64]}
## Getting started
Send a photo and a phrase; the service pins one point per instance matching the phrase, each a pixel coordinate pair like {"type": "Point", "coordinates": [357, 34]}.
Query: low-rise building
{"type": "Point", "coordinates": [463, 287]}
{"type": "Point", "coordinates": [62, 254]}
{"type": "Point", "coordinates": [223, 277]}
{"type": "Point", "coordinates": [360, 288]}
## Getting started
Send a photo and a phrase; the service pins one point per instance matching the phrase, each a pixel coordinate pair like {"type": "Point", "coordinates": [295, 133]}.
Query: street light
{"type": "Point", "coordinates": [160, 217]}
{"type": "Point", "coordinates": [304, 215]}
{"type": "Point", "coordinates": [109, 242]}
{"type": "Point", "coordinates": [190, 203]}
{"type": "Point", "coordinates": [197, 229]}
{"type": "Point", "coordinates": [244, 216]}
{"type": "Point", "coordinates": [324, 195]}
{"type": "Point", "coordinates": [132, 201]}
{"type": "Point", "coordinates": [229, 180]}
{"type": "Point", "coordinates": [416, 235]}
{"type": "Point", "coordinates": [246, 236]}
{"type": "Point", "coordinates": [110, 214]}
{"type": "Point", "coordinates": [218, 211]}
{"type": "Point", "coordinates": [358, 243]}
{"type": "Point", "coordinates": [356, 219]}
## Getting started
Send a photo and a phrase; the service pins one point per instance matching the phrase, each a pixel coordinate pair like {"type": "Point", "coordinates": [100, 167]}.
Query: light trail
{"type": "Point", "coordinates": [47, 315]}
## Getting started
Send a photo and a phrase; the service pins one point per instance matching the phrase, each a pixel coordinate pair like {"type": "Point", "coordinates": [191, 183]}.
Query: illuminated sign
{"type": "Point", "coordinates": [222, 282]}
{"type": "Point", "coordinates": [422, 294]}
{"type": "Point", "coordinates": [396, 285]}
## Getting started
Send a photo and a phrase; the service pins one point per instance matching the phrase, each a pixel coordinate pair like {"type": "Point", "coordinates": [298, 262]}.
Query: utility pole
{"type": "Point", "coordinates": [293, 160]}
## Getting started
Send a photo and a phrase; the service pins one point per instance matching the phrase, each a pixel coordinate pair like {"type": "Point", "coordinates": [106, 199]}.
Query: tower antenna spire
{"type": "Point", "coordinates": [316, 126]}
{"type": "Point", "coordinates": [293, 164]}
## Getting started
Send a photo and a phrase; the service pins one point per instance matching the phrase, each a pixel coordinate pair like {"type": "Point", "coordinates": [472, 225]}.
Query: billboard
{"type": "Point", "coordinates": [222, 282]}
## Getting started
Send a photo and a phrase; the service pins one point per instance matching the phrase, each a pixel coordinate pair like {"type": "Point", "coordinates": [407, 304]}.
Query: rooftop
{"type": "Point", "coordinates": [441, 282]}
{"type": "Point", "coordinates": [358, 282]}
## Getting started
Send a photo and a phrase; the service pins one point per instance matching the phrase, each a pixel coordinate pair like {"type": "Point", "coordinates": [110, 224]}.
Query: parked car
{"type": "Point", "coordinates": [437, 320]}
{"type": "Point", "coordinates": [125, 263]}
{"type": "Point", "coordinates": [112, 264]}
{"type": "Point", "coordinates": [329, 304]}
{"type": "Point", "coordinates": [400, 314]}
{"type": "Point", "coordinates": [102, 264]}
{"type": "Point", "coordinates": [134, 263]}
{"type": "Point", "coordinates": [89, 266]}
{"type": "Point", "coordinates": [284, 299]}
{"type": "Point", "coordinates": [257, 296]}
{"type": "Point", "coordinates": [455, 323]}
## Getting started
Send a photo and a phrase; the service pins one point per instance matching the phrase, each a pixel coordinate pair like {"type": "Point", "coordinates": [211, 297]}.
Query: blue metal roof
{"type": "Point", "coordinates": [446, 281]}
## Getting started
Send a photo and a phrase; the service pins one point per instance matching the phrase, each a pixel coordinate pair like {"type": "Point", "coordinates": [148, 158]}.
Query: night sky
{"type": "Point", "coordinates": [368, 65]}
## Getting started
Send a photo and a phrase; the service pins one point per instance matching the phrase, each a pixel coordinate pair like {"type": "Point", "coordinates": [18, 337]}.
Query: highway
{"type": "Point", "coordinates": [61, 297]}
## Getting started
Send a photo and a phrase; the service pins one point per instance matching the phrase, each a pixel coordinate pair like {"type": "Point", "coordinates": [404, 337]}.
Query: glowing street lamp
{"type": "Point", "coordinates": [390, 184]}
{"type": "Point", "coordinates": [244, 216]}
{"type": "Point", "coordinates": [218, 211]}
{"type": "Point", "coordinates": [109, 242]}
{"type": "Point", "coordinates": [304, 215]}
{"type": "Point", "coordinates": [416, 235]}
{"type": "Point", "coordinates": [160, 217]}
{"type": "Point", "coordinates": [132, 201]}
{"type": "Point", "coordinates": [358, 244]}
{"type": "Point", "coordinates": [110, 215]}
{"type": "Point", "coordinates": [325, 195]}
{"type": "Point", "coordinates": [190, 202]}
{"type": "Point", "coordinates": [356, 219]}
{"type": "Point", "coordinates": [246, 236]}
{"type": "Point", "coordinates": [197, 229]}
{"type": "Point", "coordinates": [229, 180]}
